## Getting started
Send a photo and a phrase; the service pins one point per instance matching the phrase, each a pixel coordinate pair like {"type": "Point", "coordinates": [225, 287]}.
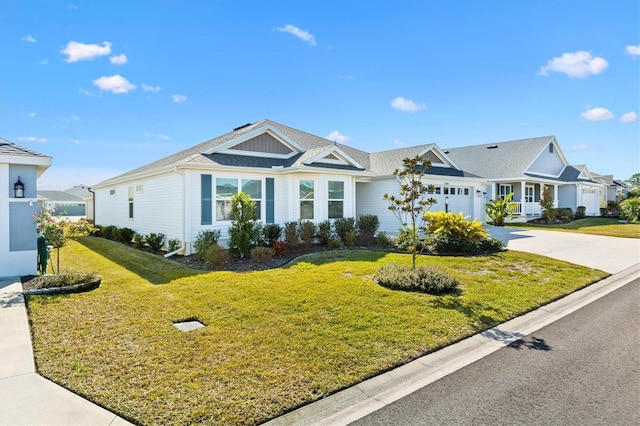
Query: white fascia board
{"type": "Point", "coordinates": [26, 160]}
{"type": "Point", "coordinates": [268, 128]}
{"type": "Point", "coordinates": [321, 171]}
{"type": "Point", "coordinates": [336, 151]}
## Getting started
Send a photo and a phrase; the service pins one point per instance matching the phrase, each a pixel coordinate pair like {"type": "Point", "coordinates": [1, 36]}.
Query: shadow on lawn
{"type": "Point", "coordinates": [150, 267]}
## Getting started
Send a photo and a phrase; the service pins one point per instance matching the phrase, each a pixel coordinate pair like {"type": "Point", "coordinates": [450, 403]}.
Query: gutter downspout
{"type": "Point", "coordinates": [93, 202]}
{"type": "Point", "coordinates": [184, 246]}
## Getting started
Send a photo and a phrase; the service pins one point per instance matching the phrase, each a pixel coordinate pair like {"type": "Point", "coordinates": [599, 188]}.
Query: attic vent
{"type": "Point", "coordinates": [242, 127]}
{"type": "Point", "coordinates": [492, 146]}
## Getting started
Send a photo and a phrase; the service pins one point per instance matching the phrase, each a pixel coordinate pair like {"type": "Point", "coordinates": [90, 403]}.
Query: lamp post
{"type": "Point", "coordinates": [446, 204]}
{"type": "Point", "coordinates": [18, 189]}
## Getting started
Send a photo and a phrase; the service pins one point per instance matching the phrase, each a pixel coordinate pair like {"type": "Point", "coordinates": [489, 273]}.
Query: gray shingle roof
{"type": "Point", "coordinates": [508, 160]}
{"type": "Point", "coordinates": [60, 196]}
{"type": "Point", "coordinates": [10, 148]}
{"type": "Point", "coordinates": [195, 156]}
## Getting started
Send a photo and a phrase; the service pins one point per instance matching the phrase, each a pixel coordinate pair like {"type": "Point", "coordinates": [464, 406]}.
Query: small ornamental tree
{"type": "Point", "coordinates": [546, 203]}
{"type": "Point", "coordinates": [244, 231]}
{"type": "Point", "coordinates": [413, 201]}
{"type": "Point", "coordinates": [57, 232]}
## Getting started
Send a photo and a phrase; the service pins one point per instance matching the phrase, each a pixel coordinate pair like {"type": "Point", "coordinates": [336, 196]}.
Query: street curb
{"type": "Point", "coordinates": [372, 394]}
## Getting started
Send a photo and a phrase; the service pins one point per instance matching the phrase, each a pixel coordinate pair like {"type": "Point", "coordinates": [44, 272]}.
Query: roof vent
{"type": "Point", "coordinates": [492, 146]}
{"type": "Point", "coordinates": [242, 127]}
{"type": "Point", "coordinates": [446, 152]}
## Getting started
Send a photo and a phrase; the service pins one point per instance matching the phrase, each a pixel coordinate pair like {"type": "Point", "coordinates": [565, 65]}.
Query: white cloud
{"type": "Point", "coordinates": [629, 117]}
{"type": "Point", "coordinates": [72, 117]}
{"type": "Point", "coordinates": [336, 136]}
{"type": "Point", "coordinates": [577, 148]}
{"type": "Point", "coordinates": [346, 77]}
{"type": "Point", "coordinates": [43, 62]}
{"type": "Point", "coordinates": [398, 142]}
{"type": "Point", "coordinates": [297, 32]}
{"type": "Point", "coordinates": [72, 6]}
{"type": "Point", "coordinates": [597, 114]}
{"type": "Point", "coordinates": [32, 139]}
{"type": "Point", "coordinates": [86, 92]}
{"type": "Point", "coordinates": [179, 99]}
{"type": "Point", "coordinates": [633, 50]}
{"type": "Point", "coordinates": [115, 84]}
{"type": "Point", "coordinates": [118, 59]}
{"type": "Point", "coordinates": [81, 52]}
{"type": "Point", "coordinates": [74, 141]}
{"type": "Point", "coordinates": [148, 134]}
{"type": "Point", "coordinates": [164, 137]}
{"type": "Point", "coordinates": [407, 105]}
{"type": "Point", "coordinates": [148, 88]}
{"type": "Point", "coordinates": [28, 38]}
{"type": "Point", "coordinates": [32, 114]}
{"type": "Point", "coordinates": [576, 64]}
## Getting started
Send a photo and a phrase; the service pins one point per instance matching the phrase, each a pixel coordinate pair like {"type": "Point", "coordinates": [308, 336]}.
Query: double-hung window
{"type": "Point", "coordinates": [504, 190]}
{"type": "Point", "coordinates": [131, 202]}
{"type": "Point", "coordinates": [228, 187]}
{"type": "Point", "coordinates": [307, 197]}
{"type": "Point", "coordinates": [336, 199]}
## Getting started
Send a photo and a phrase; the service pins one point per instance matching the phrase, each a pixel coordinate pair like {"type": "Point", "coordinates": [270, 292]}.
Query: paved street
{"type": "Point", "coordinates": [583, 369]}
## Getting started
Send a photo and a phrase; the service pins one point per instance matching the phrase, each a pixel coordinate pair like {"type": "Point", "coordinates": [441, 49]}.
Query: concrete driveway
{"type": "Point", "coordinates": [609, 254]}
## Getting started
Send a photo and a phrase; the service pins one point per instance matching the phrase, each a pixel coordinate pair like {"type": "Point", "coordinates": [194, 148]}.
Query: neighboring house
{"type": "Point", "coordinates": [292, 175]}
{"type": "Point", "coordinates": [525, 167]}
{"type": "Point", "coordinates": [21, 166]}
{"type": "Point", "coordinates": [74, 202]}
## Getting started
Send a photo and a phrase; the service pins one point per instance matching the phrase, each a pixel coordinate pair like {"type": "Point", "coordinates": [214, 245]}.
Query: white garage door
{"type": "Point", "coordinates": [591, 201]}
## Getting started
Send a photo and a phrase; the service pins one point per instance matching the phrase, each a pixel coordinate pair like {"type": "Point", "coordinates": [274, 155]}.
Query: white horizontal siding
{"type": "Point", "coordinates": [158, 208]}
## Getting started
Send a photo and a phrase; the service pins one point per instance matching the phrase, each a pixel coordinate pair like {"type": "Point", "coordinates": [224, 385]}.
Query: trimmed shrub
{"type": "Point", "coordinates": [279, 248]}
{"type": "Point", "coordinates": [564, 214]}
{"type": "Point", "coordinates": [109, 232]}
{"type": "Point", "coordinates": [216, 256]}
{"type": "Point", "coordinates": [125, 235]}
{"type": "Point", "coordinates": [324, 233]}
{"type": "Point", "coordinates": [138, 240]}
{"type": "Point", "coordinates": [271, 233]}
{"type": "Point", "coordinates": [368, 224]}
{"type": "Point", "coordinates": [335, 244]}
{"type": "Point", "coordinates": [155, 241]}
{"type": "Point", "coordinates": [342, 226]}
{"type": "Point", "coordinates": [173, 244]}
{"type": "Point", "coordinates": [581, 212]}
{"type": "Point", "coordinates": [204, 240]}
{"type": "Point", "coordinates": [262, 254]}
{"type": "Point", "coordinates": [350, 238]}
{"type": "Point", "coordinates": [445, 244]}
{"type": "Point", "coordinates": [456, 226]}
{"type": "Point", "coordinates": [423, 279]}
{"type": "Point", "coordinates": [383, 240]}
{"type": "Point", "coordinates": [291, 235]}
{"type": "Point", "coordinates": [307, 232]}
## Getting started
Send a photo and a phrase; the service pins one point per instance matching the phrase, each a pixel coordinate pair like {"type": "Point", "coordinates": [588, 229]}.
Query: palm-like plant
{"type": "Point", "coordinates": [501, 209]}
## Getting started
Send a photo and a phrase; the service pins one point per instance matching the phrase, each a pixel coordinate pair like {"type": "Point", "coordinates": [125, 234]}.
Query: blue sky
{"type": "Point", "coordinates": [104, 87]}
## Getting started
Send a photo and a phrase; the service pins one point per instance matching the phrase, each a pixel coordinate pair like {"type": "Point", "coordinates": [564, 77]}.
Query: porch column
{"type": "Point", "coordinates": [555, 196]}
{"type": "Point", "coordinates": [523, 200]}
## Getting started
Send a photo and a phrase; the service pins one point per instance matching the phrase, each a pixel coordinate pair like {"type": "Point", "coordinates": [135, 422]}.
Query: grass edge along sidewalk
{"type": "Point", "coordinates": [274, 340]}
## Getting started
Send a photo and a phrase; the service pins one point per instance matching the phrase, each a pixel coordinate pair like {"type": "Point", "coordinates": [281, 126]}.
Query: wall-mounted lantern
{"type": "Point", "coordinates": [478, 193]}
{"type": "Point", "coordinates": [446, 204]}
{"type": "Point", "coordinates": [18, 189]}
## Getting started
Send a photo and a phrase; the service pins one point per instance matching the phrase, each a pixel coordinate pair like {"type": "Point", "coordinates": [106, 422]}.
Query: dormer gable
{"type": "Point", "coordinates": [585, 174]}
{"type": "Point", "coordinates": [332, 156]}
{"type": "Point", "coordinates": [264, 141]}
{"type": "Point", "coordinates": [438, 157]}
{"type": "Point", "coordinates": [550, 161]}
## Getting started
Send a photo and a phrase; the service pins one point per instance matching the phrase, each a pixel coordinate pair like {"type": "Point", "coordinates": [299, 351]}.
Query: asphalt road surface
{"type": "Point", "coordinates": [581, 370]}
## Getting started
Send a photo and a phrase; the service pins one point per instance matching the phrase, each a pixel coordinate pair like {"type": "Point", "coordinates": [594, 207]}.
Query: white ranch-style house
{"type": "Point", "coordinates": [293, 175]}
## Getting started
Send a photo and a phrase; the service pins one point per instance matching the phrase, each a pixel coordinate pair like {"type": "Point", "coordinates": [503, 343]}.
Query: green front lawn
{"type": "Point", "coordinates": [273, 340]}
{"type": "Point", "coordinates": [595, 225]}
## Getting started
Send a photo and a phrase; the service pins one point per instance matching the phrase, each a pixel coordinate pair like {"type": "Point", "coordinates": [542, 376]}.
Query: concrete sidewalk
{"type": "Point", "coordinates": [27, 398]}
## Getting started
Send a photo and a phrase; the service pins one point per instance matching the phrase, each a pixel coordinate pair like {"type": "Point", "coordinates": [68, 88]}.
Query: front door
{"type": "Point", "coordinates": [528, 200]}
